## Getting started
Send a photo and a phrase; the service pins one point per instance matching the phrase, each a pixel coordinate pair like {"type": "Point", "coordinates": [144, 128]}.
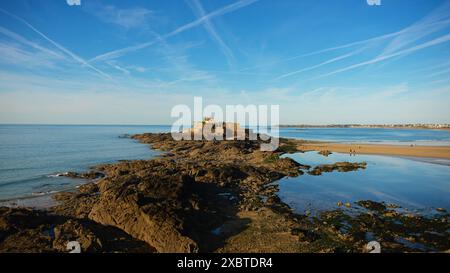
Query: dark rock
{"type": "Point", "coordinates": [372, 205]}
{"type": "Point", "coordinates": [26, 230]}
{"type": "Point", "coordinates": [338, 166]}
{"type": "Point", "coordinates": [325, 152]}
{"type": "Point", "coordinates": [88, 175]}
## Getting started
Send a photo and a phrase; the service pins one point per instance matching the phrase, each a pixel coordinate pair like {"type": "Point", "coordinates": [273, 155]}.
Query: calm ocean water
{"type": "Point", "coordinates": [412, 184]}
{"type": "Point", "coordinates": [31, 154]}
{"type": "Point", "coordinates": [370, 135]}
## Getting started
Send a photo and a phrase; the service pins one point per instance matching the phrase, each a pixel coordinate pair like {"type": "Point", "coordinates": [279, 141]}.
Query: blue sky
{"type": "Point", "coordinates": [130, 62]}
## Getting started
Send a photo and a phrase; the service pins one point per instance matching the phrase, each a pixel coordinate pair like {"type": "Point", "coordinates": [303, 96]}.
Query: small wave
{"type": "Point", "coordinates": [58, 174]}
{"type": "Point", "coordinates": [41, 193]}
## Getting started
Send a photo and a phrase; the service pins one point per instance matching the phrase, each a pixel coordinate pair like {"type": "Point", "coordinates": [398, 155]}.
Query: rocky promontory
{"type": "Point", "coordinates": [198, 196]}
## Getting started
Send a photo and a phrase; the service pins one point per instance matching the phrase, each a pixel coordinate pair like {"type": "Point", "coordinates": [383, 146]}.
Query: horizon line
{"type": "Point", "coordinates": [280, 125]}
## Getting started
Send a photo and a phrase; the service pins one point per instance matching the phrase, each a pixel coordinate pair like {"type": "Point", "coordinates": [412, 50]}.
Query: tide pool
{"type": "Point", "coordinates": [415, 185]}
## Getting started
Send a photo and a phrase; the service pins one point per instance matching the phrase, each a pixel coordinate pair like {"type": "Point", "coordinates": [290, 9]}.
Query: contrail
{"type": "Point", "coordinates": [60, 47]}
{"type": "Point", "coordinates": [366, 41]}
{"type": "Point", "coordinates": [201, 20]}
{"type": "Point", "coordinates": [319, 65]}
{"type": "Point", "coordinates": [200, 12]}
{"type": "Point", "coordinates": [22, 40]}
{"type": "Point", "coordinates": [429, 24]}
{"type": "Point", "coordinates": [434, 42]}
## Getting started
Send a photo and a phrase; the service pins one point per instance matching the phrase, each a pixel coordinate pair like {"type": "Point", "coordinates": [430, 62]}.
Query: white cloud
{"type": "Point", "coordinates": [35, 99]}
{"type": "Point", "coordinates": [126, 18]}
{"type": "Point", "coordinates": [16, 55]}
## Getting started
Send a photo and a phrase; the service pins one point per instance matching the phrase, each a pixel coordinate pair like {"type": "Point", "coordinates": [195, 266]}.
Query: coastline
{"type": "Point", "coordinates": [223, 201]}
{"type": "Point", "coordinates": [444, 128]}
{"type": "Point", "coordinates": [438, 152]}
{"type": "Point", "coordinates": [416, 152]}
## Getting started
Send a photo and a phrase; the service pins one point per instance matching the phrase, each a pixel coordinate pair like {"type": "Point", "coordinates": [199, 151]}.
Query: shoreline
{"type": "Point", "coordinates": [436, 152]}
{"type": "Point", "coordinates": [364, 127]}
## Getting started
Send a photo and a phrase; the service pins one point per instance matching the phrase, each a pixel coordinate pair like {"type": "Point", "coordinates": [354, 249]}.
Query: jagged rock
{"type": "Point", "coordinates": [88, 175]}
{"type": "Point", "coordinates": [26, 230]}
{"type": "Point", "coordinates": [338, 166]}
{"type": "Point", "coordinates": [372, 205]}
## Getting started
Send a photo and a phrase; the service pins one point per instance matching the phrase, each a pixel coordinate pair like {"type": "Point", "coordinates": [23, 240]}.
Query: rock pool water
{"type": "Point", "coordinates": [414, 185]}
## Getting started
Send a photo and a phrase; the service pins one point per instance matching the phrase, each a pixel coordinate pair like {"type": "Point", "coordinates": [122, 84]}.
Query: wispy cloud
{"type": "Point", "coordinates": [15, 55]}
{"type": "Point", "coordinates": [216, 13]}
{"type": "Point", "coordinates": [319, 65]}
{"type": "Point", "coordinates": [219, 12]}
{"type": "Point", "coordinates": [200, 12]}
{"type": "Point", "coordinates": [120, 52]}
{"type": "Point", "coordinates": [437, 41]}
{"type": "Point", "coordinates": [60, 47]}
{"type": "Point", "coordinates": [114, 65]}
{"type": "Point", "coordinates": [18, 38]}
{"type": "Point", "coordinates": [329, 49]}
{"type": "Point", "coordinates": [176, 56]}
{"type": "Point", "coordinates": [430, 24]}
{"type": "Point", "coordinates": [126, 18]}
{"type": "Point", "coordinates": [435, 21]}
{"type": "Point", "coordinates": [444, 71]}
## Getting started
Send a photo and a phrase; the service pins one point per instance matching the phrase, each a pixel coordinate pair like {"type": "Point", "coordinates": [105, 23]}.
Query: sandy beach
{"type": "Point", "coordinates": [442, 152]}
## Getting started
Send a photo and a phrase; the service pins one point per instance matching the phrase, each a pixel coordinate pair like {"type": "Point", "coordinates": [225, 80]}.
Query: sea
{"type": "Point", "coordinates": [33, 156]}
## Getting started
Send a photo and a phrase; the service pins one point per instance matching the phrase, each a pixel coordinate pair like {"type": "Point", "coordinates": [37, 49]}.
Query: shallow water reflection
{"type": "Point", "coordinates": [416, 185]}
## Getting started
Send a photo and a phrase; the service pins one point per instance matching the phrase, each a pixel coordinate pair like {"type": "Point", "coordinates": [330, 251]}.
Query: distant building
{"type": "Point", "coordinates": [210, 129]}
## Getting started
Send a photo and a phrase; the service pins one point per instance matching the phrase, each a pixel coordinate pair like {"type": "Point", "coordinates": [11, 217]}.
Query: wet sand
{"type": "Point", "coordinates": [442, 152]}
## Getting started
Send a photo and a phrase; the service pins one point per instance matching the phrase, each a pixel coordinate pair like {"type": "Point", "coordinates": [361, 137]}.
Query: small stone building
{"type": "Point", "coordinates": [211, 129]}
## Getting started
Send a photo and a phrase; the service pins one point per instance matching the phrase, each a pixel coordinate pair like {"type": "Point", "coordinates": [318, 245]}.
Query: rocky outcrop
{"type": "Point", "coordinates": [88, 175]}
{"type": "Point", "coordinates": [324, 152]}
{"type": "Point", "coordinates": [160, 201]}
{"type": "Point", "coordinates": [26, 230]}
{"type": "Point", "coordinates": [338, 166]}
{"type": "Point", "coordinates": [147, 207]}
{"type": "Point", "coordinates": [170, 203]}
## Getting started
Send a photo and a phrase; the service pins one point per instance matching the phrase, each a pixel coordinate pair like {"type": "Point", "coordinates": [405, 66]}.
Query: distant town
{"type": "Point", "coordinates": [406, 126]}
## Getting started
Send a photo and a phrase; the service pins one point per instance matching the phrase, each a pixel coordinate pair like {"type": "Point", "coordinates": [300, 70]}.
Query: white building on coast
{"type": "Point", "coordinates": [210, 129]}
